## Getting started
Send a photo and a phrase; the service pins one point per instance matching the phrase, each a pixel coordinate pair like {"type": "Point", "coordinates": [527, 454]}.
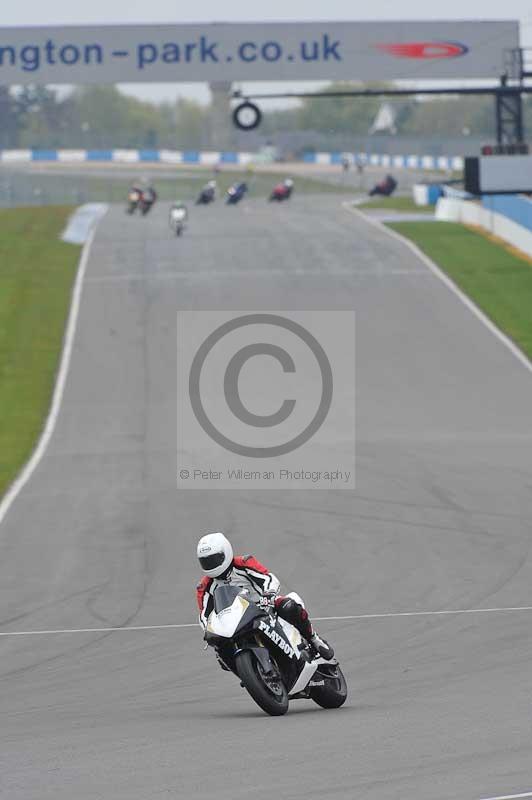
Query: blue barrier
{"type": "Point", "coordinates": [149, 155]}
{"type": "Point", "coordinates": [99, 155]}
{"type": "Point", "coordinates": [434, 192]}
{"type": "Point", "coordinates": [44, 155]}
{"type": "Point", "coordinates": [196, 157]}
{"type": "Point", "coordinates": [191, 157]}
{"type": "Point", "coordinates": [515, 207]}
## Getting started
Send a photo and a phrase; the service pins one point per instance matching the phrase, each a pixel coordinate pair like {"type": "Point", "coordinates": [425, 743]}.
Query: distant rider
{"type": "Point", "coordinates": [149, 195]}
{"type": "Point", "coordinates": [217, 561]}
{"type": "Point", "coordinates": [210, 189]}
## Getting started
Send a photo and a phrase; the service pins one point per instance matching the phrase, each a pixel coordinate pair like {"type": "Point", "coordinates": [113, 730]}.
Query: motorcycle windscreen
{"type": "Point", "coordinates": [224, 596]}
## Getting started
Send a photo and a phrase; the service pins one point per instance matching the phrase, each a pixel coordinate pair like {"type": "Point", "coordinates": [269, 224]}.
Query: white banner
{"type": "Point", "coordinates": [242, 51]}
{"type": "Point", "coordinates": [499, 174]}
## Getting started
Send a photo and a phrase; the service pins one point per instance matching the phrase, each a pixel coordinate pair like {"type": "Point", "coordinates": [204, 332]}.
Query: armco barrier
{"type": "Point", "coordinates": [427, 194]}
{"type": "Point", "coordinates": [210, 158]}
{"type": "Point", "coordinates": [515, 207]}
{"type": "Point", "coordinates": [469, 212]}
{"type": "Point", "coordinates": [125, 156]}
{"type": "Point", "coordinates": [385, 160]}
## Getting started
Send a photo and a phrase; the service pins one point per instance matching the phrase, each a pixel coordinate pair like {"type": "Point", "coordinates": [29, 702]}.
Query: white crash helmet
{"type": "Point", "coordinates": [215, 554]}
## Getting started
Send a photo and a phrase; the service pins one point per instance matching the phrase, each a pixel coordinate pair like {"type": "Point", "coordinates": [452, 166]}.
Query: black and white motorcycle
{"type": "Point", "coordinates": [271, 658]}
{"type": "Point", "coordinates": [177, 218]}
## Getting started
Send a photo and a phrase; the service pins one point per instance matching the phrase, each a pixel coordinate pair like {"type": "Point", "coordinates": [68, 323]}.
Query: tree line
{"type": "Point", "coordinates": [104, 117]}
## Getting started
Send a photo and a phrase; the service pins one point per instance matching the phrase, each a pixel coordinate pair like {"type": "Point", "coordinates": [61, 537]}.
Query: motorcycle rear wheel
{"type": "Point", "coordinates": [333, 693]}
{"type": "Point", "coordinates": [250, 674]}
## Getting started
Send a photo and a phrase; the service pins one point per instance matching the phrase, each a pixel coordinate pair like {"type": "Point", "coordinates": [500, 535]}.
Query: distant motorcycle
{"type": "Point", "coordinates": [235, 193]}
{"type": "Point", "coordinates": [177, 218]}
{"type": "Point", "coordinates": [283, 191]}
{"type": "Point", "coordinates": [133, 200]}
{"type": "Point", "coordinates": [385, 187]}
{"type": "Point", "coordinates": [147, 200]}
{"type": "Point", "coordinates": [207, 194]}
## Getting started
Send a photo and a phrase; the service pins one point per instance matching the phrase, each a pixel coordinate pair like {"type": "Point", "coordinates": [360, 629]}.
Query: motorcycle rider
{"type": "Point", "coordinates": [149, 195]}
{"type": "Point", "coordinates": [134, 194]}
{"type": "Point", "coordinates": [220, 565]}
{"type": "Point", "coordinates": [208, 191]}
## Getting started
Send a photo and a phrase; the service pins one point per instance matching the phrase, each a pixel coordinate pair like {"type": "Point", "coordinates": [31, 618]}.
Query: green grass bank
{"type": "Point", "coordinates": [497, 280]}
{"type": "Point", "coordinates": [396, 203]}
{"type": "Point", "coordinates": [37, 272]}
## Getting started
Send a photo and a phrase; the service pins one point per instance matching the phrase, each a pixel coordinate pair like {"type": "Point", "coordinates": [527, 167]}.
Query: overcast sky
{"type": "Point", "coordinates": [95, 12]}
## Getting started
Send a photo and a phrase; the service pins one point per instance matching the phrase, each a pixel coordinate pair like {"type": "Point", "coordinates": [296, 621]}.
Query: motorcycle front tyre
{"type": "Point", "coordinates": [248, 671]}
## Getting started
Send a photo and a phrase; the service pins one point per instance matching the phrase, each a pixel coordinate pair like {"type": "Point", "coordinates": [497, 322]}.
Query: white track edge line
{"type": "Point", "coordinates": [59, 388]}
{"type": "Point", "coordinates": [444, 612]}
{"type": "Point", "coordinates": [101, 630]}
{"type": "Point", "coordinates": [451, 285]}
{"type": "Point", "coordinates": [387, 615]}
{"type": "Point", "coordinates": [510, 796]}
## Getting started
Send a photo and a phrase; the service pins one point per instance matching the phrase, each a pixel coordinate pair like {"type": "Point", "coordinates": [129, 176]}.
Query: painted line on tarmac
{"type": "Point", "coordinates": [252, 273]}
{"type": "Point", "coordinates": [509, 796]}
{"type": "Point", "coordinates": [439, 273]}
{"type": "Point", "coordinates": [445, 612]}
{"type": "Point", "coordinates": [100, 630]}
{"type": "Point", "coordinates": [344, 618]}
{"type": "Point", "coordinates": [59, 388]}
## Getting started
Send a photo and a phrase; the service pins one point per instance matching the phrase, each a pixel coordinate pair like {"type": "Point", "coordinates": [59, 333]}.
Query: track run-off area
{"type": "Point", "coordinates": [420, 577]}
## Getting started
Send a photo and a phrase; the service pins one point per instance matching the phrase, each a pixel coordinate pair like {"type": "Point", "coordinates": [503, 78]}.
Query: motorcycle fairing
{"type": "Point", "coordinates": [281, 640]}
{"type": "Point", "coordinates": [307, 673]}
{"type": "Point", "coordinates": [292, 634]}
{"type": "Point", "coordinates": [225, 622]}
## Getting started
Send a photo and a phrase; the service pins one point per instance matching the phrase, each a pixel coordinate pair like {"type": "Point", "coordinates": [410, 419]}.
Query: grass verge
{"type": "Point", "coordinates": [37, 272]}
{"type": "Point", "coordinates": [497, 280]}
{"type": "Point", "coordinates": [397, 204]}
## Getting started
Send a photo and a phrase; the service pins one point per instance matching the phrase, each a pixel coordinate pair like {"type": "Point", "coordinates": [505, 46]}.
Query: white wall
{"type": "Point", "coordinates": [469, 212]}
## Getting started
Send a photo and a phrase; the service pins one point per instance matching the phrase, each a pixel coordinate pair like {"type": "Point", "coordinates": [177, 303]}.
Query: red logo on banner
{"type": "Point", "coordinates": [424, 50]}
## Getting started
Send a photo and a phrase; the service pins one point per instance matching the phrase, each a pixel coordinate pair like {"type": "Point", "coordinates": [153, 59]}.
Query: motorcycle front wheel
{"type": "Point", "coordinates": [270, 694]}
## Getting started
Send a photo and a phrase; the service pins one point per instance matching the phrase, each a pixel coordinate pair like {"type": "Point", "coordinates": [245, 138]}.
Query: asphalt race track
{"type": "Point", "coordinates": [439, 706]}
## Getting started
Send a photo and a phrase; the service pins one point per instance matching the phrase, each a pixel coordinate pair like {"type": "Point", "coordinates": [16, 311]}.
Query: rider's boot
{"type": "Point", "coordinates": [321, 646]}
